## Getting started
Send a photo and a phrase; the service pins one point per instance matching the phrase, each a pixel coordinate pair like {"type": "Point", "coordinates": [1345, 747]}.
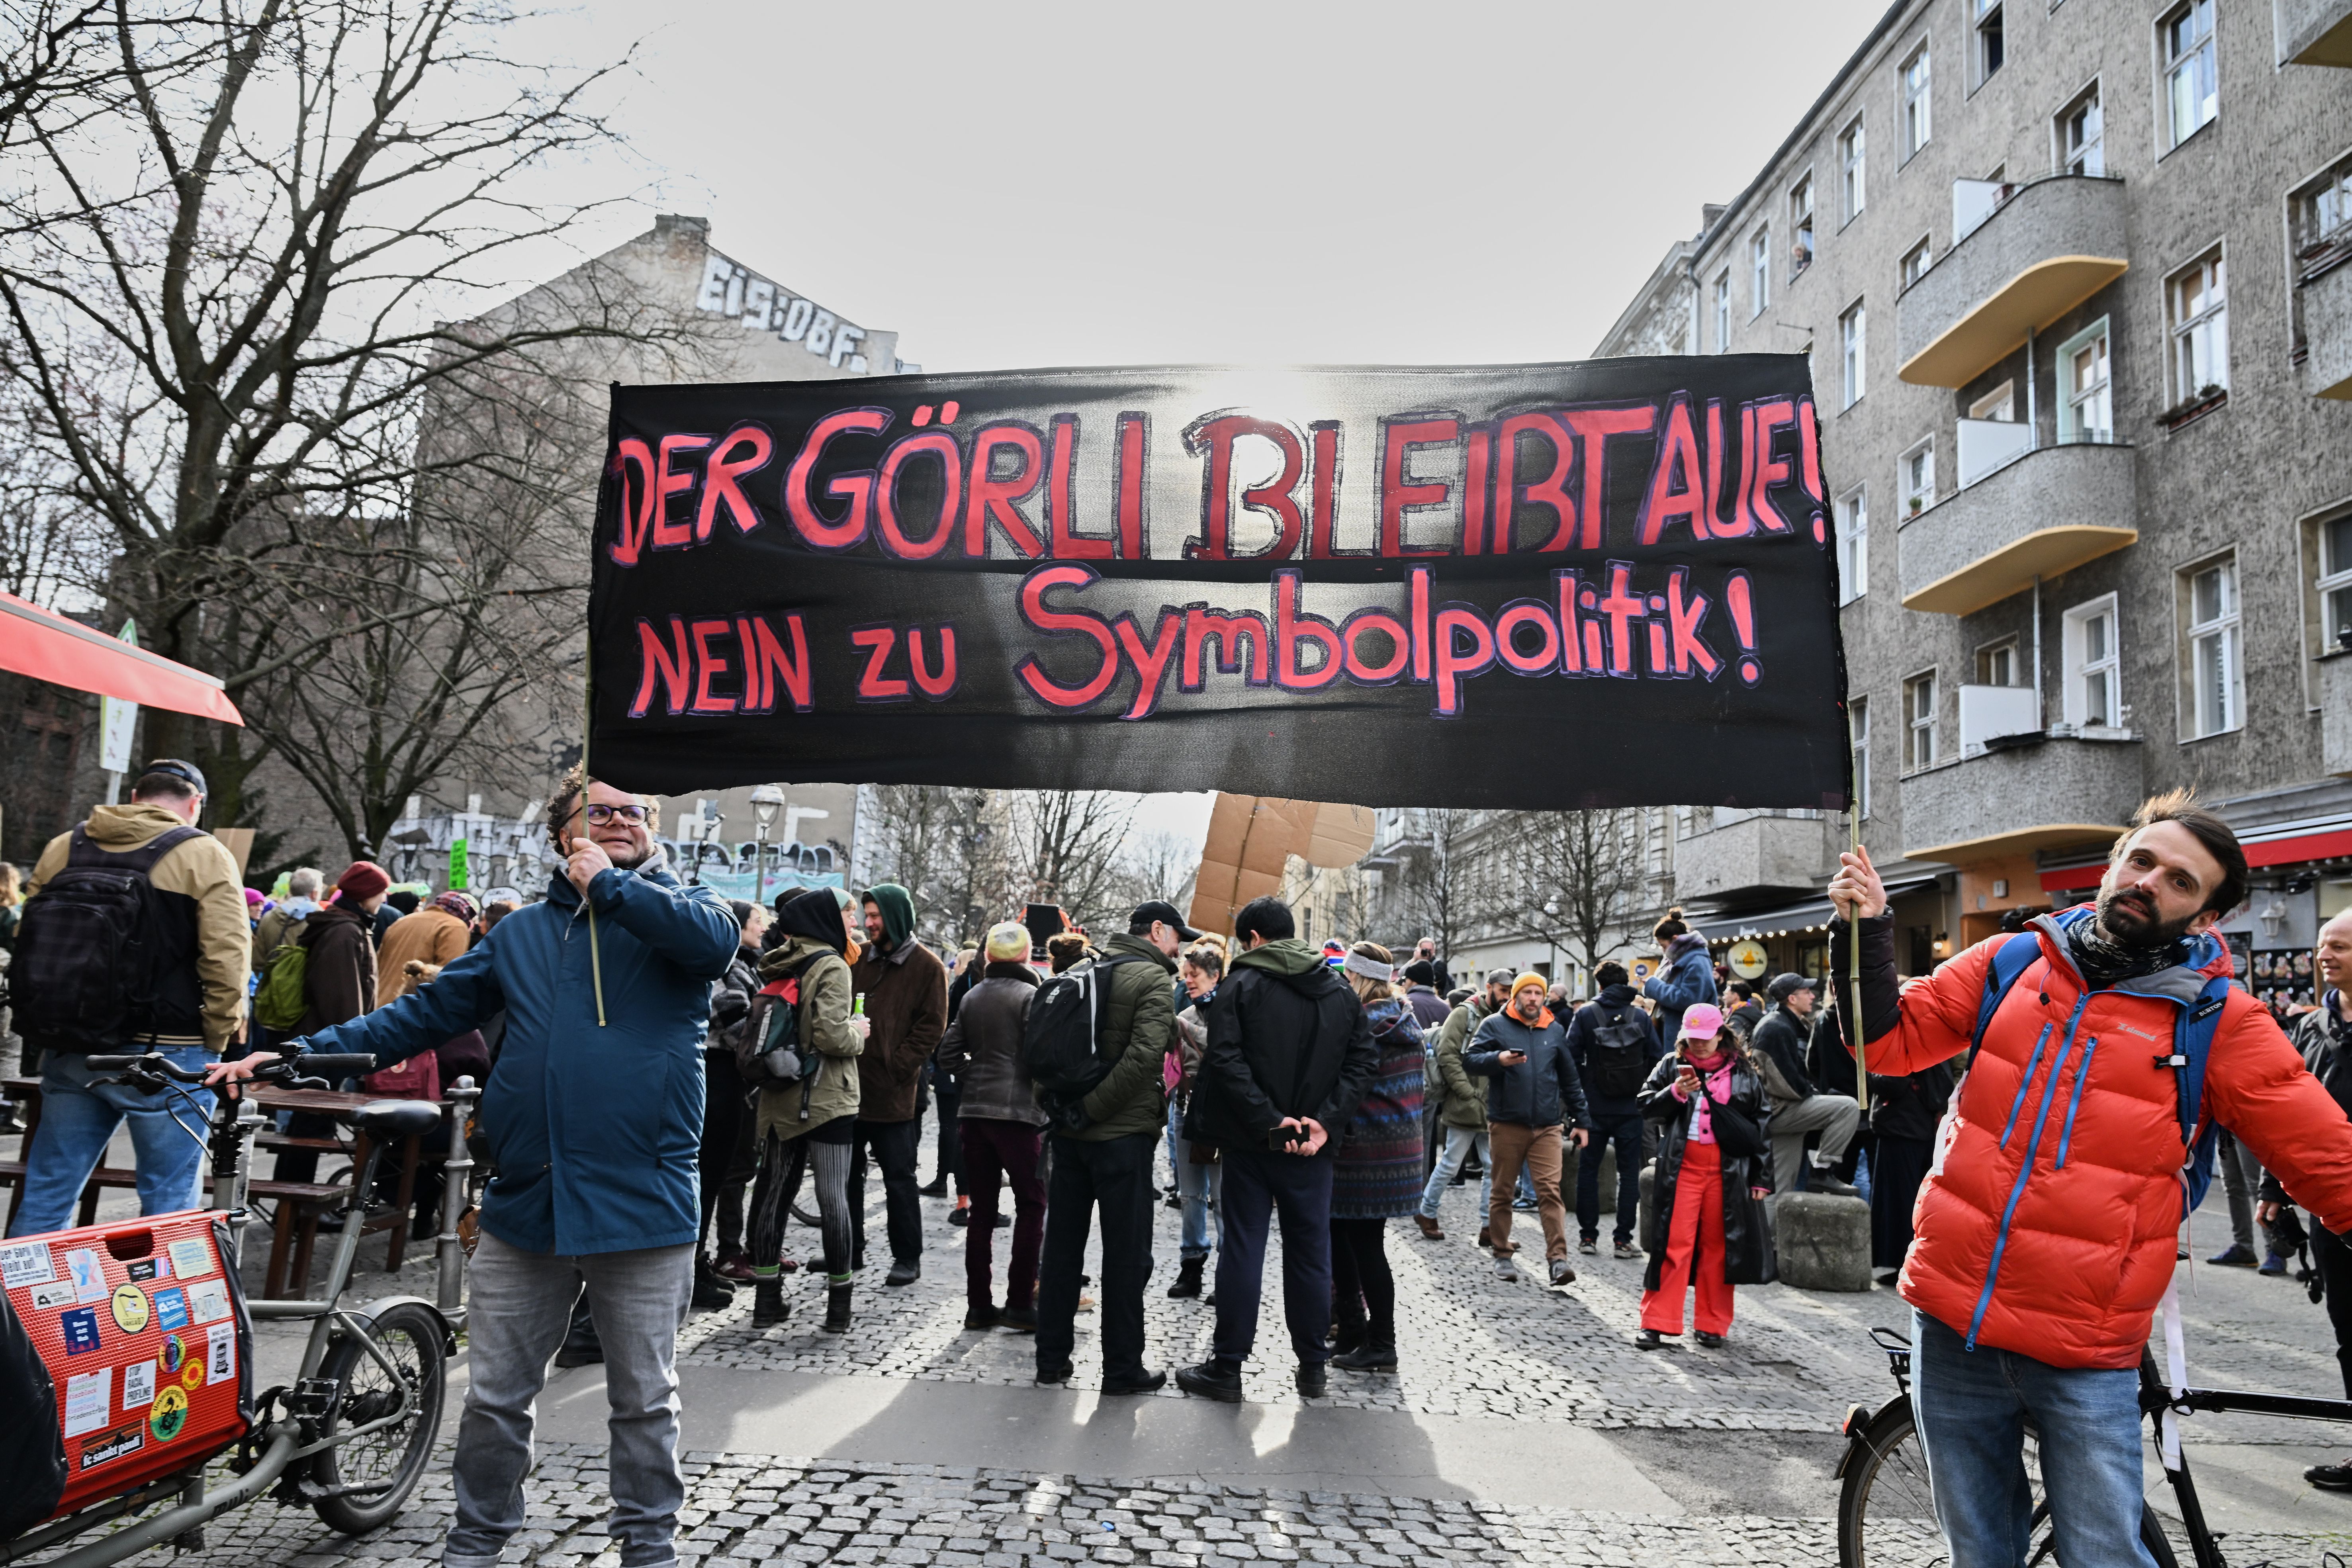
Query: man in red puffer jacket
{"type": "Point", "coordinates": [2047, 1227]}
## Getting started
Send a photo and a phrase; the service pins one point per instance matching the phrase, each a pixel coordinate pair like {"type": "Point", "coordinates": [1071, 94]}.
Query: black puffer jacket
{"type": "Point", "coordinates": [730, 1000]}
{"type": "Point", "coordinates": [1781, 1039]}
{"type": "Point", "coordinates": [1746, 1235]}
{"type": "Point", "coordinates": [1286, 1037]}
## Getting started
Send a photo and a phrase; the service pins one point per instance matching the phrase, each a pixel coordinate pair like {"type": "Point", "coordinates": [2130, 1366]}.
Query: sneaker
{"type": "Point", "coordinates": [1004, 1221]}
{"type": "Point", "coordinates": [1589, 1246]}
{"type": "Point", "coordinates": [1211, 1381]}
{"type": "Point", "coordinates": [1524, 1206]}
{"type": "Point", "coordinates": [2275, 1265]}
{"type": "Point", "coordinates": [1507, 1272]}
{"type": "Point", "coordinates": [959, 1217]}
{"type": "Point", "coordinates": [1174, 1200]}
{"type": "Point", "coordinates": [1626, 1249]}
{"type": "Point", "coordinates": [735, 1264]}
{"type": "Point", "coordinates": [2332, 1478]}
{"type": "Point", "coordinates": [904, 1271]}
{"type": "Point", "coordinates": [2237, 1255]}
{"type": "Point", "coordinates": [1561, 1272]}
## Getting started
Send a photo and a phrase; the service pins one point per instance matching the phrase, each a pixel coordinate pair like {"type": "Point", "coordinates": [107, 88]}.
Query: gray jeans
{"type": "Point", "coordinates": [521, 1303]}
{"type": "Point", "coordinates": [1833, 1116]}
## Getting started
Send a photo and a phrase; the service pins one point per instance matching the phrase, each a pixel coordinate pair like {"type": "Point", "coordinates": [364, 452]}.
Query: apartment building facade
{"type": "Point", "coordinates": [2075, 278]}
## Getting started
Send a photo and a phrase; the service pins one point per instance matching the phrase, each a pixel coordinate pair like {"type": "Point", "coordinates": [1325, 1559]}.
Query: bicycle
{"type": "Point", "coordinates": [351, 1437]}
{"type": "Point", "coordinates": [1887, 1508]}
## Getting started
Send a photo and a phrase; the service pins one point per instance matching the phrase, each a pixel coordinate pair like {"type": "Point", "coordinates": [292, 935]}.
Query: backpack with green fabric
{"type": "Point", "coordinates": [279, 1003]}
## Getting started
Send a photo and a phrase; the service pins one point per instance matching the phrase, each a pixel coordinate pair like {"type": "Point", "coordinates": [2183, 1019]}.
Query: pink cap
{"type": "Point", "coordinates": [1702, 1021]}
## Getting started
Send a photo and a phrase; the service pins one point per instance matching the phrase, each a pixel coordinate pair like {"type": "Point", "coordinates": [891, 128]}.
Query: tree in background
{"type": "Point", "coordinates": [1445, 891]}
{"type": "Point", "coordinates": [1572, 878]}
{"type": "Point", "coordinates": [945, 846]}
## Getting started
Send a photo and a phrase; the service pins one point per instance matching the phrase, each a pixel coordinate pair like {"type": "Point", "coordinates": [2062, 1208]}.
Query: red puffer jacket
{"type": "Point", "coordinates": [2048, 1224]}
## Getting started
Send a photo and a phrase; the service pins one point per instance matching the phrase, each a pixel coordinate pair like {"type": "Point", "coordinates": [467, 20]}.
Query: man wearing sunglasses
{"type": "Point", "coordinates": [596, 1126]}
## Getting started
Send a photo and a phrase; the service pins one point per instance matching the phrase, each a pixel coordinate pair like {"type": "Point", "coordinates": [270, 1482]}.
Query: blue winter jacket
{"type": "Point", "coordinates": [594, 1130]}
{"type": "Point", "coordinates": [1688, 978]}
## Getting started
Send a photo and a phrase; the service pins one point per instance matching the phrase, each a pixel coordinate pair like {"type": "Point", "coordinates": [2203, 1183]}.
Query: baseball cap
{"type": "Point", "coordinates": [1702, 1021]}
{"type": "Point", "coordinates": [186, 773]}
{"type": "Point", "coordinates": [1783, 986]}
{"type": "Point", "coordinates": [1163, 912]}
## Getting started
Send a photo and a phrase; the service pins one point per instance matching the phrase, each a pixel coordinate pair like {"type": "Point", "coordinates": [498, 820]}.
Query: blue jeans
{"type": "Point", "coordinates": [79, 1118]}
{"type": "Point", "coordinates": [1971, 1407]}
{"type": "Point", "coordinates": [1459, 1141]}
{"type": "Point", "coordinates": [1202, 1188]}
{"type": "Point", "coordinates": [1625, 1132]}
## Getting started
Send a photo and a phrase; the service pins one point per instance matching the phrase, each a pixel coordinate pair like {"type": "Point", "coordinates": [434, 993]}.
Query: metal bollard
{"type": "Point", "coordinates": [457, 1179]}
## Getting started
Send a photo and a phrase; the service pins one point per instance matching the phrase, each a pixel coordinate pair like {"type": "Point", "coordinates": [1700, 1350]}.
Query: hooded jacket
{"type": "Point", "coordinates": [824, 1015]}
{"type": "Point", "coordinates": [2048, 1224]}
{"type": "Point", "coordinates": [430, 936]}
{"type": "Point", "coordinates": [595, 1129]}
{"type": "Point", "coordinates": [1582, 1036]}
{"type": "Point", "coordinates": [1286, 1037]}
{"type": "Point", "coordinates": [1688, 979]}
{"type": "Point", "coordinates": [202, 999]}
{"type": "Point", "coordinates": [906, 988]}
{"type": "Point", "coordinates": [982, 1048]}
{"type": "Point", "coordinates": [1541, 1091]}
{"type": "Point", "coordinates": [1464, 1098]}
{"type": "Point", "coordinates": [1139, 1021]}
{"type": "Point", "coordinates": [339, 981]}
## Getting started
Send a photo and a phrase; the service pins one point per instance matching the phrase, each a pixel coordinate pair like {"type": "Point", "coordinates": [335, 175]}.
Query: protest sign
{"type": "Point", "coordinates": [1551, 585]}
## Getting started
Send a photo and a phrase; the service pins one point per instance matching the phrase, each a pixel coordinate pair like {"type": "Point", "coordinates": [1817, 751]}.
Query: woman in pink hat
{"type": "Point", "coordinates": [1709, 1229]}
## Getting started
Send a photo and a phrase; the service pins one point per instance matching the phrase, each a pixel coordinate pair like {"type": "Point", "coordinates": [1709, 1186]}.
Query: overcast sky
{"type": "Point", "coordinates": [1031, 184]}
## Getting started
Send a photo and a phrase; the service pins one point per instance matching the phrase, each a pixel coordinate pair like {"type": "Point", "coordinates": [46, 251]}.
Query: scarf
{"type": "Point", "coordinates": [1714, 1085]}
{"type": "Point", "coordinates": [2105, 961]}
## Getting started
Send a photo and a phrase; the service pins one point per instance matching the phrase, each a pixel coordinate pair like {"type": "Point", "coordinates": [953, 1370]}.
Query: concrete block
{"type": "Point", "coordinates": [1608, 1182]}
{"type": "Point", "coordinates": [1649, 1181]}
{"type": "Point", "coordinates": [1823, 1242]}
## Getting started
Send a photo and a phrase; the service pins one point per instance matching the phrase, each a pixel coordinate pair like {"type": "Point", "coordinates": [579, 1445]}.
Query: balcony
{"type": "Point", "coordinates": [2047, 511]}
{"type": "Point", "coordinates": [1756, 855]}
{"type": "Point", "coordinates": [2313, 32]}
{"type": "Point", "coordinates": [2334, 686]}
{"type": "Point", "coordinates": [2051, 244]}
{"type": "Point", "coordinates": [2024, 793]}
{"type": "Point", "coordinates": [2324, 301]}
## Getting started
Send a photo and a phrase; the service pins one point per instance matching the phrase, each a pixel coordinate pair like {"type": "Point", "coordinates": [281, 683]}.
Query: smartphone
{"type": "Point", "coordinates": [1280, 1138]}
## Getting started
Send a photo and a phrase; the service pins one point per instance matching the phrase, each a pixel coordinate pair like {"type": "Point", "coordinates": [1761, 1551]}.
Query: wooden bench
{"type": "Point", "coordinates": [12, 1174]}
{"type": "Point", "coordinates": [299, 1206]}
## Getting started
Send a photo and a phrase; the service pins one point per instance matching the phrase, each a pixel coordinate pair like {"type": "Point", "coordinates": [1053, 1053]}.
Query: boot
{"type": "Point", "coordinates": [713, 1290]}
{"type": "Point", "coordinates": [1375, 1354]}
{"type": "Point", "coordinates": [837, 1307]}
{"type": "Point", "coordinates": [768, 1300]}
{"type": "Point", "coordinates": [1187, 1277]}
{"type": "Point", "coordinates": [1347, 1338]}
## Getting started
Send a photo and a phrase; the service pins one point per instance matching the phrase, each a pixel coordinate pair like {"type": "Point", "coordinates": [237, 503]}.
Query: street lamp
{"type": "Point", "coordinates": [766, 801]}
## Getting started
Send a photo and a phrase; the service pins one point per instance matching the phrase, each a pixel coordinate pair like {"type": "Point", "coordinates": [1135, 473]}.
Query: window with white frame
{"type": "Point", "coordinates": [1660, 844]}
{"type": "Point", "coordinates": [1759, 268]}
{"type": "Point", "coordinates": [1723, 311]}
{"type": "Point", "coordinates": [1919, 722]}
{"type": "Point", "coordinates": [1991, 46]}
{"type": "Point", "coordinates": [2335, 583]}
{"type": "Point", "coordinates": [2001, 404]}
{"type": "Point", "coordinates": [2085, 387]}
{"type": "Point", "coordinates": [1997, 664]}
{"type": "Point", "coordinates": [1918, 468]}
{"type": "Point", "coordinates": [2320, 215]}
{"type": "Point", "coordinates": [1860, 710]}
{"type": "Point", "coordinates": [1853, 171]}
{"type": "Point", "coordinates": [1916, 126]}
{"type": "Point", "coordinates": [1913, 265]}
{"type": "Point", "coordinates": [1852, 514]}
{"type": "Point", "coordinates": [2081, 137]}
{"type": "Point", "coordinates": [2192, 89]}
{"type": "Point", "coordinates": [2094, 665]}
{"type": "Point", "coordinates": [2210, 615]}
{"type": "Point", "coordinates": [1801, 225]}
{"type": "Point", "coordinates": [2197, 321]}
{"type": "Point", "coordinates": [1849, 354]}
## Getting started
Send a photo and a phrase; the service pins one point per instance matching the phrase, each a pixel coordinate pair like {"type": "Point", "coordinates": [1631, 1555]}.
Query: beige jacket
{"type": "Point", "coordinates": [200, 869]}
{"type": "Point", "coordinates": [429, 935]}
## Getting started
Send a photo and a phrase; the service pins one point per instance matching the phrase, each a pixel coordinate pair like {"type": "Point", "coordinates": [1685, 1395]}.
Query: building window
{"type": "Point", "coordinates": [1920, 722]}
{"type": "Point", "coordinates": [1801, 226]}
{"type": "Point", "coordinates": [2336, 583]}
{"type": "Point", "coordinates": [1918, 470]}
{"type": "Point", "coordinates": [2197, 318]}
{"type": "Point", "coordinates": [1917, 127]}
{"type": "Point", "coordinates": [1989, 42]}
{"type": "Point", "coordinates": [2086, 401]}
{"type": "Point", "coordinates": [2209, 595]}
{"type": "Point", "coordinates": [1859, 711]}
{"type": "Point", "coordinates": [1760, 263]}
{"type": "Point", "coordinates": [1999, 403]}
{"type": "Point", "coordinates": [1853, 545]}
{"type": "Point", "coordinates": [2093, 698]}
{"type": "Point", "coordinates": [1997, 664]}
{"type": "Point", "coordinates": [2191, 92]}
{"type": "Point", "coordinates": [1852, 171]}
{"type": "Point", "coordinates": [2320, 218]}
{"type": "Point", "coordinates": [1849, 354]}
{"type": "Point", "coordinates": [1723, 311]}
{"type": "Point", "coordinates": [2079, 136]}
{"type": "Point", "coordinates": [1914, 263]}
{"type": "Point", "coordinates": [1659, 845]}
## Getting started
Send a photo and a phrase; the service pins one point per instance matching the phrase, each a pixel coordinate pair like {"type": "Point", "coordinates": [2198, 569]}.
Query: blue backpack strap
{"type": "Point", "coordinates": [2192, 1048]}
{"type": "Point", "coordinates": [2010, 960]}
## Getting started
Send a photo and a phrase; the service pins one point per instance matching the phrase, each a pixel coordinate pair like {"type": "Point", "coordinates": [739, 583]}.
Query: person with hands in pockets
{"type": "Point", "coordinates": [2047, 1229]}
{"type": "Point", "coordinates": [596, 1128]}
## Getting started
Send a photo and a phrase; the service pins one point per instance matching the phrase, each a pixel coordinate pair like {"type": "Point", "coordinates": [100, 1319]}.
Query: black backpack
{"type": "Point", "coordinates": [92, 948]}
{"type": "Point", "coordinates": [1615, 1064]}
{"type": "Point", "coordinates": [1061, 1042]}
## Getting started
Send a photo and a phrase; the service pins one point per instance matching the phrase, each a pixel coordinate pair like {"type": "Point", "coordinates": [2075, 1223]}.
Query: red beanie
{"type": "Point", "coordinates": [362, 879]}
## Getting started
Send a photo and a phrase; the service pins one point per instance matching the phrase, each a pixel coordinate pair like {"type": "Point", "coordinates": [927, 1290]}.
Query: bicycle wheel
{"type": "Point", "coordinates": [1886, 1509]}
{"type": "Point", "coordinates": [387, 1463]}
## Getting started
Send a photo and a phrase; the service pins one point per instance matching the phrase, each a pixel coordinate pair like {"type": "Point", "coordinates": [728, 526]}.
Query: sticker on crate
{"type": "Point", "coordinates": [208, 1302]}
{"type": "Point", "coordinates": [119, 1443]}
{"type": "Point", "coordinates": [171, 1307]}
{"type": "Point", "coordinates": [130, 1305]}
{"type": "Point", "coordinates": [55, 1294]}
{"type": "Point", "coordinates": [169, 1413]}
{"type": "Point", "coordinates": [80, 1330]}
{"type": "Point", "coordinates": [86, 1401]}
{"type": "Point", "coordinates": [191, 1259]}
{"type": "Point", "coordinates": [139, 1385]}
{"type": "Point", "coordinates": [25, 1263]}
{"type": "Point", "coordinates": [88, 1275]}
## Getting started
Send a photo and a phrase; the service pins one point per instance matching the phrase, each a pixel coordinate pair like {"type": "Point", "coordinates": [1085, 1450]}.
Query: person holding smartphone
{"type": "Point", "coordinates": [1709, 1229]}
{"type": "Point", "coordinates": [1532, 1092]}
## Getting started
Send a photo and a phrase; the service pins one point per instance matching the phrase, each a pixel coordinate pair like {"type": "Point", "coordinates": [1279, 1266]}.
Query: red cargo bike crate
{"type": "Point", "coordinates": [145, 1332]}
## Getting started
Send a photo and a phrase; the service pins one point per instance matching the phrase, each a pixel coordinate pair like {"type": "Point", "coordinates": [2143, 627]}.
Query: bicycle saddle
{"type": "Point", "coordinates": [387, 1118]}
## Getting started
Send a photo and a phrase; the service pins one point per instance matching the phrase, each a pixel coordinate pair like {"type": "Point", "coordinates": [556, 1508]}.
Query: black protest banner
{"type": "Point", "coordinates": [1555, 585]}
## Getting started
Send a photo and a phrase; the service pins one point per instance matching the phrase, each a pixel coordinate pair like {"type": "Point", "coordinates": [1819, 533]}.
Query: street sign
{"type": "Point", "coordinates": [117, 718]}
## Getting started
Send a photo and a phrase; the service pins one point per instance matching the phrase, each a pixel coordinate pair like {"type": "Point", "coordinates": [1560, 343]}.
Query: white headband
{"type": "Point", "coordinates": [1370, 968]}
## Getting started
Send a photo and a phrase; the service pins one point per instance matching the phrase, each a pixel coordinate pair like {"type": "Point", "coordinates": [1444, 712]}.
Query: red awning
{"type": "Point", "coordinates": [2288, 849]}
{"type": "Point", "coordinates": [50, 647]}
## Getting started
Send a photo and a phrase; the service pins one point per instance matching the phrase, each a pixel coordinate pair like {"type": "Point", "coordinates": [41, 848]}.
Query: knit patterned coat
{"type": "Point", "coordinates": [1379, 1173]}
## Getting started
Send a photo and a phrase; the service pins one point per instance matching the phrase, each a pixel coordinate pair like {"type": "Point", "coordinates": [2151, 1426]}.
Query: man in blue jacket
{"type": "Point", "coordinates": [595, 1129]}
{"type": "Point", "coordinates": [1524, 1050]}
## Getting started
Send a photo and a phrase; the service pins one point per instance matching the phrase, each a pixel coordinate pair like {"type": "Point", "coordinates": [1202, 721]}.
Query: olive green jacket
{"type": "Point", "coordinates": [824, 1029]}
{"type": "Point", "coordinates": [1140, 1014]}
{"type": "Point", "coordinates": [1464, 1103]}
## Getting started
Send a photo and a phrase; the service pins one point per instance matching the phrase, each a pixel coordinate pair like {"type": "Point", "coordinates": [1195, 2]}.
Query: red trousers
{"type": "Point", "coordinates": [1694, 1249]}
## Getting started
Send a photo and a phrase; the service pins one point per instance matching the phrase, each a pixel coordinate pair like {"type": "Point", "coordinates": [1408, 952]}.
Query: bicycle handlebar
{"type": "Point", "coordinates": [283, 1070]}
{"type": "Point", "coordinates": [335, 1066]}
